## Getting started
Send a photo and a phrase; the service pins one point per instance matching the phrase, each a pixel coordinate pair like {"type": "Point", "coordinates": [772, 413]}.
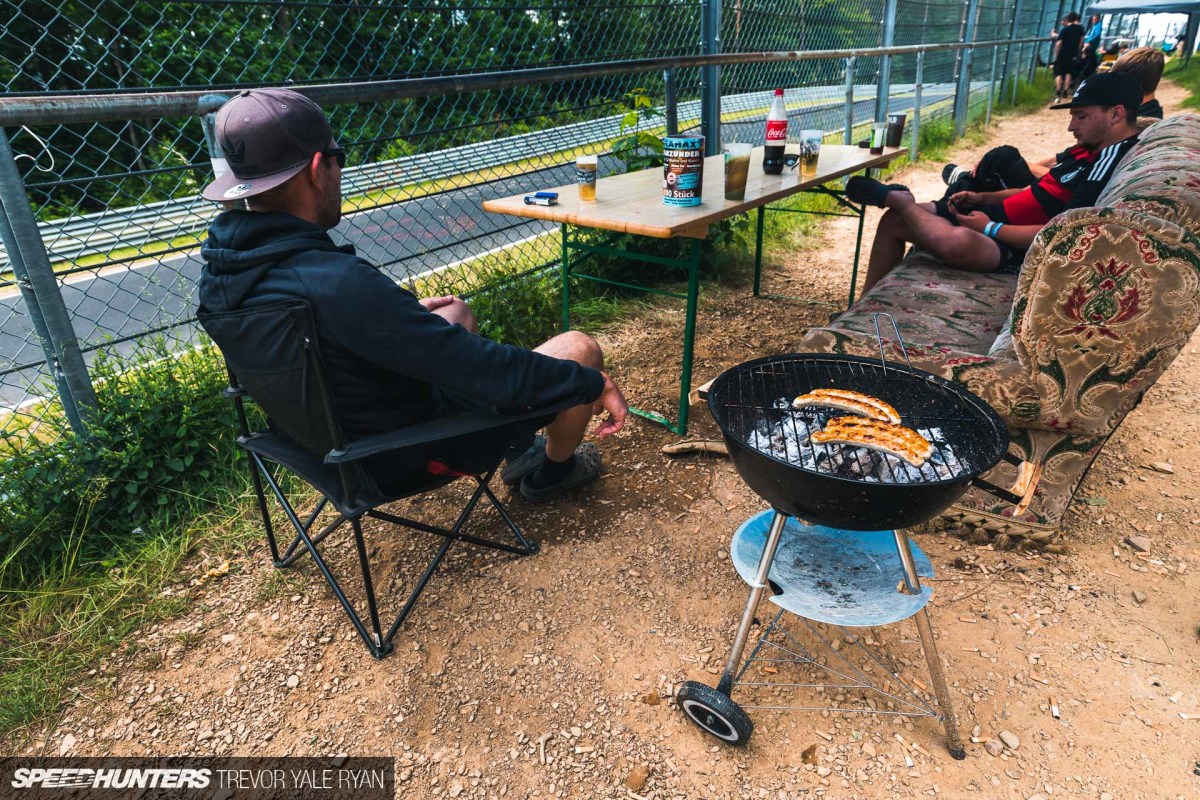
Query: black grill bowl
{"type": "Point", "coordinates": [741, 400]}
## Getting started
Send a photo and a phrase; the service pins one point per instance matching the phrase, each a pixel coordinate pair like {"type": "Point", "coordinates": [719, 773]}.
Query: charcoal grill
{"type": "Point", "coordinates": [844, 487]}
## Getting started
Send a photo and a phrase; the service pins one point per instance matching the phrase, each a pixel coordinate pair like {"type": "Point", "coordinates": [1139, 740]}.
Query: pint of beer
{"type": "Point", "coordinates": [585, 174]}
{"type": "Point", "coordinates": [810, 151]}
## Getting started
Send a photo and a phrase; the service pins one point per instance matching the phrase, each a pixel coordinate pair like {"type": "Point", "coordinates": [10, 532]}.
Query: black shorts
{"type": "Point", "coordinates": [476, 452]}
{"type": "Point", "coordinates": [471, 453]}
{"type": "Point", "coordinates": [1011, 258]}
{"type": "Point", "coordinates": [1067, 66]}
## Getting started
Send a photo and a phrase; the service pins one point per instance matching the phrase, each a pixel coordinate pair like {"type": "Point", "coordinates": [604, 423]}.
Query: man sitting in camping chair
{"type": "Point", "coordinates": [391, 359]}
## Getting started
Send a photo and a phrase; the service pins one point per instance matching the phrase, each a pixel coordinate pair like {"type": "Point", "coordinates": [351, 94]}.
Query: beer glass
{"type": "Point", "coordinates": [585, 174]}
{"type": "Point", "coordinates": [737, 169]}
{"type": "Point", "coordinates": [810, 151]}
{"type": "Point", "coordinates": [878, 136]}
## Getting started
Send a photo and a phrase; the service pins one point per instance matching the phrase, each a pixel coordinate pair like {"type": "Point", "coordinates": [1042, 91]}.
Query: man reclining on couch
{"type": "Point", "coordinates": [1004, 167]}
{"type": "Point", "coordinates": [990, 231]}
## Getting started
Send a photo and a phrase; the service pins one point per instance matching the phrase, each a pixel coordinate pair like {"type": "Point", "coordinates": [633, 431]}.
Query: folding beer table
{"type": "Point", "coordinates": [632, 203]}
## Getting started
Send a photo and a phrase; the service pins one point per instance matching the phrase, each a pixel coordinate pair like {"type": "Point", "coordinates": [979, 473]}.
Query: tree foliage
{"type": "Point", "coordinates": [107, 46]}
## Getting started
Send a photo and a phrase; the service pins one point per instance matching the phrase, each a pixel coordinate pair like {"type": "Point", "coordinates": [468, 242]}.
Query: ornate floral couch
{"type": "Point", "coordinates": [1107, 298]}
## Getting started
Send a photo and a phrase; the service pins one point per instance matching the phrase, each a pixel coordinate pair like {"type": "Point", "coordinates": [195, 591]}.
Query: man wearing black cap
{"type": "Point", "coordinates": [393, 359]}
{"type": "Point", "coordinates": [990, 231]}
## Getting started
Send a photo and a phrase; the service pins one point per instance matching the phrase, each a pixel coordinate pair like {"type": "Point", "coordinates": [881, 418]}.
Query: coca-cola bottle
{"type": "Point", "coordinates": [777, 123]}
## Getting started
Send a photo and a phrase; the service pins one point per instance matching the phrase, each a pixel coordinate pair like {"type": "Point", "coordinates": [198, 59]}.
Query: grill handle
{"type": "Point", "coordinates": [1020, 494]}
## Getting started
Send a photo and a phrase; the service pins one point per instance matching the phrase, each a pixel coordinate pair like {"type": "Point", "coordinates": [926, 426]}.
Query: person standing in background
{"type": "Point", "coordinates": [1095, 30]}
{"type": "Point", "coordinates": [1068, 49]}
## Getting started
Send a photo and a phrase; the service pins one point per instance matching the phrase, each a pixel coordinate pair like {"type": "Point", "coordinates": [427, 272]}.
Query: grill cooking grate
{"type": "Point", "coordinates": [756, 405]}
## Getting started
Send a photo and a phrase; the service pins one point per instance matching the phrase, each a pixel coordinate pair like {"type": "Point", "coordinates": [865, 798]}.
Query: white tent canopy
{"type": "Point", "coordinates": [1145, 7]}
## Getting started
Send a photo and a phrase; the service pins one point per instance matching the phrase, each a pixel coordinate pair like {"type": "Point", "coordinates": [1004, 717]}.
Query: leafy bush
{"type": "Point", "coordinates": [637, 146]}
{"type": "Point", "coordinates": [159, 436]}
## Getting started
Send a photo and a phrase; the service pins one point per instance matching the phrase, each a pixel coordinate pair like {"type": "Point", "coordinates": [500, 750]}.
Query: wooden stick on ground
{"type": "Point", "coordinates": [696, 446]}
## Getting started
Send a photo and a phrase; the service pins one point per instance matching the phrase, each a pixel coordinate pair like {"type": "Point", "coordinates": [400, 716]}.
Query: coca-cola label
{"type": "Point", "coordinates": [776, 130]}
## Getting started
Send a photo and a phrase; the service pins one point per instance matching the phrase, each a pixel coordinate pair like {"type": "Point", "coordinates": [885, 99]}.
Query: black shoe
{"type": "Point", "coordinates": [868, 191]}
{"type": "Point", "coordinates": [584, 470]}
{"type": "Point", "coordinates": [527, 461]}
{"type": "Point", "coordinates": [953, 172]}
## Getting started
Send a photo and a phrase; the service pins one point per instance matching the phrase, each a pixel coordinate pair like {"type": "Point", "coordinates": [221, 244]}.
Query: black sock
{"type": "Point", "coordinates": [551, 472]}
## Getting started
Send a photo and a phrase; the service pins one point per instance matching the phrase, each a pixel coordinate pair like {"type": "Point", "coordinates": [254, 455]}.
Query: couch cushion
{"type": "Point", "coordinates": [935, 305]}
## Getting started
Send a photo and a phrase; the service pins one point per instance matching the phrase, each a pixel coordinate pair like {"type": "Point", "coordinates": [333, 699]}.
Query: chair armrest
{"type": "Point", "coordinates": [434, 430]}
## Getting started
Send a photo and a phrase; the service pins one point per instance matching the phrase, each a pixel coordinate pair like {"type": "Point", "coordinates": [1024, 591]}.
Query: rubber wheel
{"type": "Point", "coordinates": [715, 713]}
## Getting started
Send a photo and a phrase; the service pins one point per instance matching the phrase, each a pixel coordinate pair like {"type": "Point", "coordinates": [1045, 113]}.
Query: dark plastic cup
{"type": "Point", "coordinates": [895, 129]}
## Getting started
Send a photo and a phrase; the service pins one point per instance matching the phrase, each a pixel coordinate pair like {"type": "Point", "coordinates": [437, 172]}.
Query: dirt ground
{"type": "Point", "coordinates": [553, 676]}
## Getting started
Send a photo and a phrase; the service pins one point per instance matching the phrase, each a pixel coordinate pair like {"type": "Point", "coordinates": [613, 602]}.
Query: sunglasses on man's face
{"type": "Point", "coordinates": [337, 153]}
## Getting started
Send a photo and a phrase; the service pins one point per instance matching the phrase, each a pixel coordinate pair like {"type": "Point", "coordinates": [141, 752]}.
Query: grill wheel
{"type": "Point", "coordinates": [715, 713]}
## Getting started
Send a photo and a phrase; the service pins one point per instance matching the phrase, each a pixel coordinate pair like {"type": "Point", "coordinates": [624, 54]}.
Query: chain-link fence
{"type": "Point", "coordinates": [102, 221]}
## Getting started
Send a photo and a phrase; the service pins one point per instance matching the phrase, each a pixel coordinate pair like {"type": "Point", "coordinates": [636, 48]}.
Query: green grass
{"type": "Point", "coordinates": [1188, 77]}
{"type": "Point", "coordinates": [93, 532]}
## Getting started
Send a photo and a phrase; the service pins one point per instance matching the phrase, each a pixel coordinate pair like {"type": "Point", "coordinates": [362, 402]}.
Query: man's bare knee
{"type": "Point", "coordinates": [574, 346]}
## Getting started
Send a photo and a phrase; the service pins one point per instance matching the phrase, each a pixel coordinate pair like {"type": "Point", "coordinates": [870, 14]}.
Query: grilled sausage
{"type": "Point", "coordinates": [846, 400]}
{"type": "Point", "coordinates": [873, 434]}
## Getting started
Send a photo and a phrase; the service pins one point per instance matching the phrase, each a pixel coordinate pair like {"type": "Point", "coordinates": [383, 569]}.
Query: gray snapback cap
{"type": "Point", "coordinates": [267, 136]}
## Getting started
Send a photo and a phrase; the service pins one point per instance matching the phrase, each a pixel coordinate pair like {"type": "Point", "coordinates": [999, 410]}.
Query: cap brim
{"type": "Point", "coordinates": [230, 187]}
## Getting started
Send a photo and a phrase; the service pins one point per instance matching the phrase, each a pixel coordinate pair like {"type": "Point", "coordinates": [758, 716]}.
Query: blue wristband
{"type": "Point", "coordinates": [996, 230]}
{"type": "Point", "coordinates": [988, 229]}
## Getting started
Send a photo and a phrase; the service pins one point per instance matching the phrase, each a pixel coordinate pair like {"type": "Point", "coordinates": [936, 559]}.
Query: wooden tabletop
{"type": "Point", "coordinates": [632, 202]}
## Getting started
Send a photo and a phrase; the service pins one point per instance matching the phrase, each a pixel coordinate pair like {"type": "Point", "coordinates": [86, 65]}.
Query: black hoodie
{"type": "Point", "coordinates": [389, 360]}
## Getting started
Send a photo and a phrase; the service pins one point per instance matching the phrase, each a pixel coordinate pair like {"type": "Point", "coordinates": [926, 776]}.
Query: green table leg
{"type": "Point", "coordinates": [689, 342]}
{"type": "Point", "coordinates": [862, 213]}
{"type": "Point", "coordinates": [689, 337]}
{"type": "Point", "coordinates": [758, 237]}
{"type": "Point", "coordinates": [566, 279]}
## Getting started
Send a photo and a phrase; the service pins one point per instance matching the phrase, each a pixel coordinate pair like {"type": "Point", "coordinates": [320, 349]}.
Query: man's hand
{"type": "Point", "coordinates": [976, 220]}
{"type": "Point", "coordinates": [965, 201]}
{"type": "Point", "coordinates": [434, 303]}
{"type": "Point", "coordinates": [612, 401]}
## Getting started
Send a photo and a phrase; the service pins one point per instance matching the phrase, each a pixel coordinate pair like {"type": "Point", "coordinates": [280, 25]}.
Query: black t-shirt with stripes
{"type": "Point", "coordinates": [1087, 184]}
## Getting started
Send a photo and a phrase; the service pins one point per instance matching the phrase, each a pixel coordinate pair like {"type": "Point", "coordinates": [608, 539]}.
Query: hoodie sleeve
{"type": "Point", "coordinates": [383, 323]}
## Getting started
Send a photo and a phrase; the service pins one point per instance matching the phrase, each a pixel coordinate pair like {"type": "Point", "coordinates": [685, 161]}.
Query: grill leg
{"type": "Point", "coordinates": [756, 590]}
{"type": "Point", "coordinates": [925, 630]}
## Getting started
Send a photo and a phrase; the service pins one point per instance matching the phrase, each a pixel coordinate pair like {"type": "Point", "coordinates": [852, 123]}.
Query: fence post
{"type": "Point", "coordinates": [962, 94]}
{"type": "Point", "coordinates": [671, 102]}
{"type": "Point", "coordinates": [992, 84]}
{"type": "Point", "coordinates": [916, 126]}
{"type": "Point", "coordinates": [207, 107]}
{"type": "Point", "coordinates": [883, 86]}
{"type": "Point", "coordinates": [1040, 31]}
{"type": "Point", "coordinates": [1047, 10]}
{"type": "Point", "coordinates": [1008, 59]}
{"type": "Point", "coordinates": [710, 77]}
{"type": "Point", "coordinates": [850, 100]}
{"type": "Point", "coordinates": [1189, 36]}
{"type": "Point", "coordinates": [43, 298]}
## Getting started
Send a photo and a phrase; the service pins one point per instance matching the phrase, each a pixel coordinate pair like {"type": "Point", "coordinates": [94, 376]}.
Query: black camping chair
{"type": "Point", "coordinates": [287, 380]}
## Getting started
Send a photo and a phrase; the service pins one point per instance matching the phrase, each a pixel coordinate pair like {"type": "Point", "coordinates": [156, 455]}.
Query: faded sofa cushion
{"type": "Point", "coordinates": [935, 305]}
